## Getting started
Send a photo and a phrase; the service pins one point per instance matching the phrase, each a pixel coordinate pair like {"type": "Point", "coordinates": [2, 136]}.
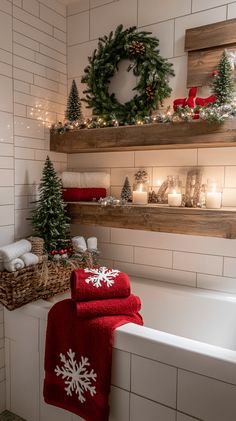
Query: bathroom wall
{"type": "Point", "coordinates": [194, 261]}
{"type": "Point", "coordinates": [33, 92]}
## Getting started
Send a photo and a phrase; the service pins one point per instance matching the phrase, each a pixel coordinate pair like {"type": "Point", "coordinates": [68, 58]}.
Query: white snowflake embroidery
{"type": "Point", "coordinates": [100, 275]}
{"type": "Point", "coordinates": [76, 376]}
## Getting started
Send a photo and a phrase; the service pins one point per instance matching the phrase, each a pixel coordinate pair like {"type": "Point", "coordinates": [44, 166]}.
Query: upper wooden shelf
{"type": "Point", "coordinates": [160, 218]}
{"type": "Point", "coordinates": [196, 134]}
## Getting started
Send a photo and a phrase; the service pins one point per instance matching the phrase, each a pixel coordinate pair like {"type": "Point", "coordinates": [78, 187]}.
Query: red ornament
{"type": "Point", "coordinates": [214, 73]}
{"type": "Point", "coordinates": [53, 252]}
{"type": "Point", "coordinates": [61, 252]}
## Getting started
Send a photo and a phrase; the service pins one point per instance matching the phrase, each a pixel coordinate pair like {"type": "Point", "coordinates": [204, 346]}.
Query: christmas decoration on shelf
{"type": "Point", "coordinates": [147, 64]}
{"type": "Point", "coordinates": [126, 192]}
{"type": "Point", "coordinates": [48, 218]}
{"type": "Point", "coordinates": [111, 201]}
{"type": "Point", "coordinates": [223, 83]}
{"type": "Point", "coordinates": [73, 111]}
{"type": "Point", "coordinates": [141, 176]}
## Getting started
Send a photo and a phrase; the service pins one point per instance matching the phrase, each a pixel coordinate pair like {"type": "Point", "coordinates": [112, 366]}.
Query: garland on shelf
{"type": "Point", "coordinates": [152, 70]}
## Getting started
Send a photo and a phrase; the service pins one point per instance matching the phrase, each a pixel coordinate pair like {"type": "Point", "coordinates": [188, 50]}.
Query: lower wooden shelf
{"type": "Point", "coordinates": [160, 218]}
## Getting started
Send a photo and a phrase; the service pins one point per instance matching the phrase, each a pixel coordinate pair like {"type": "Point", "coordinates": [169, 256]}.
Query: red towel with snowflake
{"type": "Point", "coordinates": [99, 283]}
{"type": "Point", "coordinates": [78, 360]}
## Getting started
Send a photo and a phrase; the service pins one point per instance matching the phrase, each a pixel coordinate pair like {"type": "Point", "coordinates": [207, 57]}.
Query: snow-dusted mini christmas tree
{"type": "Point", "coordinates": [223, 83]}
{"type": "Point", "coordinates": [73, 111]}
{"type": "Point", "coordinates": [126, 193]}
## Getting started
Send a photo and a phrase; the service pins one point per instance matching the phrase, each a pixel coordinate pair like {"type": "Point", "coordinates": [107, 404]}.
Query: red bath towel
{"type": "Point", "coordinates": [75, 194]}
{"type": "Point", "coordinates": [109, 307]}
{"type": "Point", "coordinates": [98, 283]}
{"type": "Point", "coordinates": [78, 360]}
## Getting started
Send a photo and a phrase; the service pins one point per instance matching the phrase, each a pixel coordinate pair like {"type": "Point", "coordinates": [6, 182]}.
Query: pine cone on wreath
{"type": "Point", "coordinates": [150, 92]}
{"type": "Point", "coordinates": [136, 47]}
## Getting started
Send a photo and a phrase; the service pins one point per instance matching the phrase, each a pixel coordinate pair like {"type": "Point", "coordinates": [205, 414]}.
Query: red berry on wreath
{"type": "Point", "coordinates": [61, 252]}
{"type": "Point", "coordinates": [214, 73]}
{"type": "Point", "coordinates": [52, 252]}
{"type": "Point", "coordinates": [65, 250]}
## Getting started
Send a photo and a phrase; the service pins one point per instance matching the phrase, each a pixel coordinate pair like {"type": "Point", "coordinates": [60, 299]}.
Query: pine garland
{"type": "Point", "coordinates": [152, 70]}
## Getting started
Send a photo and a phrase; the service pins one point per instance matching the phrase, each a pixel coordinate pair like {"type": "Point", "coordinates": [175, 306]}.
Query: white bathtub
{"type": "Point", "coordinates": [180, 367]}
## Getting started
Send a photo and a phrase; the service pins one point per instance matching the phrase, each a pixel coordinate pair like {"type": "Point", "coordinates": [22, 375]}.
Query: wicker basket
{"type": "Point", "coordinates": [34, 282]}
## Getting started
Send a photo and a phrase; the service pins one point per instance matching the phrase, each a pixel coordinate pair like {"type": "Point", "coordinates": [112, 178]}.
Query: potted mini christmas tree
{"type": "Point", "coordinates": [48, 218]}
{"type": "Point", "coordinates": [223, 83]}
{"type": "Point", "coordinates": [73, 111]}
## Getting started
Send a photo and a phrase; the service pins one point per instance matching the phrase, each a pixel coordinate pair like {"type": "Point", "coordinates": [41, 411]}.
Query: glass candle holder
{"type": "Point", "coordinates": [213, 194]}
{"type": "Point", "coordinates": [174, 191]}
{"type": "Point", "coordinates": [140, 193]}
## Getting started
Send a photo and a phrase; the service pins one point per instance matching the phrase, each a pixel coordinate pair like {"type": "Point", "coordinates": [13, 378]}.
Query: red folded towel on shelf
{"type": "Point", "coordinates": [78, 360]}
{"type": "Point", "coordinates": [82, 194]}
{"type": "Point", "coordinates": [108, 307]}
{"type": "Point", "coordinates": [99, 283]}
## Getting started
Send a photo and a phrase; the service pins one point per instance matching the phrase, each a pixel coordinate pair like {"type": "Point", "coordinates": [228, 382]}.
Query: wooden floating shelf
{"type": "Point", "coordinates": [195, 134]}
{"type": "Point", "coordinates": [160, 218]}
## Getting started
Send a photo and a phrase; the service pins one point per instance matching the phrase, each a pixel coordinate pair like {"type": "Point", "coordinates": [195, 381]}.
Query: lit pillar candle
{"type": "Point", "coordinates": [174, 198]}
{"type": "Point", "coordinates": [213, 198]}
{"type": "Point", "coordinates": [92, 243]}
{"type": "Point", "coordinates": [140, 197]}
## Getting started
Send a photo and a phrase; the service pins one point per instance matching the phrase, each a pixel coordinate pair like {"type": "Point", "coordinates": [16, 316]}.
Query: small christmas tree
{"type": "Point", "coordinates": [73, 111]}
{"type": "Point", "coordinates": [223, 84]}
{"type": "Point", "coordinates": [126, 193]}
{"type": "Point", "coordinates": [48, 219]}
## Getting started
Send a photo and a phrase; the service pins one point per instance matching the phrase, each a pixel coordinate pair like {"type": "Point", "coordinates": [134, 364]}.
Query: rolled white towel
{"type": "Point", "coordinates": [79, 244]}
{"type": "Point", "coordinates": [14, 250]}
{"type": "Point", "coordinates": [92, 243]}
{"type": "Point", "coordinates": [30, 259]}
{"type": "Point", "coordinates": [95, 180]}
{"type": "Point", "coordinates": [71, 179]}
{"type": "Point", "coordinates": [14, 265]}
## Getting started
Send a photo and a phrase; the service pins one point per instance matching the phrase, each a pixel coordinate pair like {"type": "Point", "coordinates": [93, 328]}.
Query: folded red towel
{"type": "Point", "coordinates": [82, 194]}
{"type": "Point", "coordinates": [97, 308]}
{"type": "Point", "coordinates": [78, 360]}
{"type": "Point", "coordinates": [98, 283]}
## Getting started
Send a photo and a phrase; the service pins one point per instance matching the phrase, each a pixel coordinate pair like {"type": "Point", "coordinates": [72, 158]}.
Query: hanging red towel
{"type": "Point", "coordinates": [99, 283]}
{"type": "Point", "coordinates": [78, 360]}
{"type": "Point", "coordinates": [74, 194]}
{"type": "Point", "coordinates": [109, 307]}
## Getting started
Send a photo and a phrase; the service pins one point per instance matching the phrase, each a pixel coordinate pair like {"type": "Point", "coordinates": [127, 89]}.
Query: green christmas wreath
{"type": "Point", "coordinates": [152, 70]}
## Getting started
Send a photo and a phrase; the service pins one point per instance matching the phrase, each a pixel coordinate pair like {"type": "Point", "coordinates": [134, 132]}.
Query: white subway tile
{"type": "Point", "coordinates": [5, 31]}
{"type": "Point", "coordinates": [2, 375]}
{"type": "Point", "coordinates": [144, 409]}
{"type": "Point", "coordinates": [229, 197]}
{"type": "Point", "coordinates": [34, 21]}
{"type": "Point", "coordinates": [230, 177]}
{"type": "Point", "coordinates": [28, 172]}
{"type": "Point", "coordinates": [6, 215]}
{"type": "Point", "coordinates": [2, 396]}
{"type": "Point", "coordinates": [52, 17]}
{"type": "Point", "coordinates": [23, 226]}
{"type": "Point", "coordinates": [120, 369]}
{"type": "Point", "coordinates": [46, 94]}
{"type": "Point", "coordinates": [212, 265]}
{"type": "Point", "coordinates": [59, 34]}
{"type": "Point", "coordinates": [6, 149]}
{"type": "Point", "coordinates": [101, 160]}
{"type": "Point", "coordinates": [119, 404]}
{"type": "Point", "coordinates": [166, 158]}
{"type": "Point", "coordinates": [1, 336]}
{"type": "Point", "coordinates": [22, 75]}
{"type": "Point", "coordinates": [39, 103]}
{"type": "Point", "coordinates": [45, 83]}
{"type": "Point", "coordinates": [5, 69]}
{"type": "Point", "coordinates": [6, 98]}
{"type": "Point", "coordinates": [54, 156]}
{"type": "Point", "coordinates": [118, 175]}
{"type": "Point", "coordinates": [75, 8]}
{"type": "Point", "coordinates": [97, 3]}
{"type": "Point", "coordinates": [153, 257]}
{"type": "Point", "coordinates": [6, 57]}
{"type": "Point", "coordinates": [26, 189]}
{"type": "Point", "coordinates": [20, 110]}
{"type": "Point", "coordinates": [21, 86]}
{"type": "Point", "coordinates": [114, 251]}
{"type": "Point", "coordinates": [25, 41]}
{"type": "Point", "coordinates": [191, 21]}
{"type": "Point", "coordinates": [153, 380]}
{"type": "Point", "coordinates": [21, 202]}
{"type": "Point", "coordinates": [50, 62]}
{"type": "Point", "coordinates": [178, 82]}
{"type": "Point", "coordinates": [28, 127]}
{"type": "Point", "coordinates": [6, 235]}
{"type": "Point", "coordinates": [78, 28]}
{"type": "Point", "coordinates": [6, 195]}
{"type": "Point", "coordinates": [217, 156]}
{"type": "Point", "coordinates": [31, 6]}
{"type": "Point", "coordinates": [6, 178]}
{"type": "Point", "coordinates": [105, 19]}
{"type": "Point", "coordinates": [21, 51]}
{"type": "Point", "coordinates": [23, 142]}
{"type": "Point", "coordinates": [52, 53]}
{"type": "Point", "coordinates": [39, 36]}
{"type": "Point", "coordinates": [183, 417]}
{"type": "Point", "coordinates": [229, 266]}
{"type": "Point", "coordinates": [5, 6]}
{"type": "Point", "coordinates": [6, 162]}
{"type": "Point", "coordinates": [155, 273]}
{"type": "Point", "coordinates": [206, 398]}
{"type": "Point", "coordinates": [24, 153]}
{"type": "Point", "coordinates": [55, 5]}
{"type": "Point", "coordinates": [164, 31]}
{"type": "Point", "coordinates": [6, 124]}
{"type": "Point", "coordinates": [231, 10]}
{"type": "Point", "coordinates": [158, 11]}
{"type": "Point", "coordinates": [78, 58]}
{"type": "Point", "coordinates": [206, 4]}
{"type": "Point", "coordinates": [22, 63]}
{"type": "Point", "coordinates": [216, 283]}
